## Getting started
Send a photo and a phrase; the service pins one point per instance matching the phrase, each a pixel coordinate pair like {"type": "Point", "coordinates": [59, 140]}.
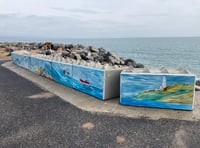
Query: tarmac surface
{"type": "Point", "coordinates": [31, 116]}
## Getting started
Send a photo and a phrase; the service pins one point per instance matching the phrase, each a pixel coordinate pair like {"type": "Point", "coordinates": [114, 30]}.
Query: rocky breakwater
{"type": "Point", "coordinates": [88, 56]}
{"type": "Point", "coordinates": [75, 54]}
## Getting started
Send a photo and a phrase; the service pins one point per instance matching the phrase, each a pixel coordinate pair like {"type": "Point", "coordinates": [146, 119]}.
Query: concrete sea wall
{"type": "Point", "coordinates": [100, 83]}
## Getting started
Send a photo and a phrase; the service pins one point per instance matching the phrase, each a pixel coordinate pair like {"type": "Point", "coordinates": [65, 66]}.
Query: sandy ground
{"type": "Point", "coordinates": [4, 54]}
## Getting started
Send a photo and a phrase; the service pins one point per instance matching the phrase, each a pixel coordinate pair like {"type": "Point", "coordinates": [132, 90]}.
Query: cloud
{"type": "Point", "coordinates": [147, 15]}
{"type": "Point", "coordinates": [39, 26]}
{"type": "Point", "coordinates": [92, 18]}
{"type": "Point", "coordinates": [79, 10]}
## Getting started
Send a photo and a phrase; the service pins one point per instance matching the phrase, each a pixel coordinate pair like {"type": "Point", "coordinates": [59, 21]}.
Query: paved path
{"type": "Point", "coordinates": [33, 117]}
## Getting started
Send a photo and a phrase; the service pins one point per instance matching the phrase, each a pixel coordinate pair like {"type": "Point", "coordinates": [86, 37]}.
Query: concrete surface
{"type": "Point", "coordinates": [112, 107]}
{"type": "Point", "coordinates": [31, 117]}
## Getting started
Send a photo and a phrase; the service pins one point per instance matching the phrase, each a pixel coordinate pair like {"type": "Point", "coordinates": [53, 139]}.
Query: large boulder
{"type": "Point", "coordinates": [69, 46]}
{"type": "Point", "coordinates": [130, 62]}
{"type": "Point", "coordinates": [65, 54]}
{"type": "Point", "coordinates": [198, 82]}
{"type": "Point", "coordinates": [48, 45]}
{"type": "Point", "coordinates": [75, 56]}
{"type": "Point", "coordinates": [139, 65]}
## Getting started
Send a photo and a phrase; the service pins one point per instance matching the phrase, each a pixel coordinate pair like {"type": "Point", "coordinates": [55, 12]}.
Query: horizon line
{"type": "Point", "coordinates": [53, 38]}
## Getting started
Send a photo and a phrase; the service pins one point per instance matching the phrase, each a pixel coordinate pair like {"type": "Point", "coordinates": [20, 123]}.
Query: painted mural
{"type": "Point", "coordinates": [88, 80]}
{"type": "Point", "coordinates": [21, 60]}
{"type": "Point", "coordinates": [62, 73]}
{"type": "Point", "coordinates": [162, 91]}
{"type": "Point", "coordinates": [41, 67]}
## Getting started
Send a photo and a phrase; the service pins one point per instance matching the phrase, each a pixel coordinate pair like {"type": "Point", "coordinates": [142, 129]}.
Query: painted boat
{"type": "Point", "coordinates": [84, 81]}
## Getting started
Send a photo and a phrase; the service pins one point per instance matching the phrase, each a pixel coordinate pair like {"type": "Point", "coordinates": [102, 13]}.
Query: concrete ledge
{"type": "Point", "coordinates": [112, 107]}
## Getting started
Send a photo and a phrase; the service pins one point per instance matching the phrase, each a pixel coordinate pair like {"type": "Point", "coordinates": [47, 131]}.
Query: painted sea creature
{"type": "Point", "coordinates": [84, 81]}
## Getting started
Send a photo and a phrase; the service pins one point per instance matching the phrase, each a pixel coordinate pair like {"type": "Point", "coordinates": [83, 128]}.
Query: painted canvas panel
{"type": "Point", "coordinates": [89, 80]}
{"type": "Point", "coordinates": [62, 73]}
{"type": "Point", "coordinates": [41, 67]}
{"type": "Point", "coordinates": [21, 60]}
{"type": "Point", "coordinates": [159, 90]}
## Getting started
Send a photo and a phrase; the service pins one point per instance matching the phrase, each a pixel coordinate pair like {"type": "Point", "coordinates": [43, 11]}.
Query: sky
{"type": "Point", "coordinates": [99, 18]}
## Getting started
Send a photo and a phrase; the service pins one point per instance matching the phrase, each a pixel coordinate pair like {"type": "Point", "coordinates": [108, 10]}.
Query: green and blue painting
{"type": "Point", "coordinates": [157, 90]}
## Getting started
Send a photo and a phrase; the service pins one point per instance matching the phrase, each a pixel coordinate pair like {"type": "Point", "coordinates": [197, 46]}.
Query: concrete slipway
{"type": "Point", "coordinates": [112, 106]}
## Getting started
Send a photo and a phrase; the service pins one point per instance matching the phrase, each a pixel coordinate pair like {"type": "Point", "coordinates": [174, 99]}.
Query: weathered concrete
{"type": "Point", "coordinates": [111, 107]}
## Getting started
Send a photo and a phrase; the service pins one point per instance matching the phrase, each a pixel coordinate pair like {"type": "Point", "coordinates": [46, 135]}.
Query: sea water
{"type": "Point", "coordinates": [152, 52]}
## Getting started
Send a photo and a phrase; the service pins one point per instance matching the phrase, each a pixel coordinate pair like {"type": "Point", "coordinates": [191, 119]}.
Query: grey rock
{"type": "Point", "coordinates": [122, 62]}
{"type": "Point", "coordinates": [55, 47]}
{"type": "Point", "coordinates": [139, 65]}
{"type": "Point", "coordinates": [163, 70]}
{"type": "Point", "coordinates": [69, 46]}
{"type": "Point", "coordinates": [94, 54]}
{"type": "Point", "coordinates": [113, 60]}
{"type": "Point", "coordinates": [198, 82]}
{"type": "Point", "coordinates": [83, 55]}
{"type": "Point", "coordinates": [75, 56]}
{"type": "Point", "coordinates": [89, 56]}
{"type": "Point", "coordinates": [65, 54]}
{"type": "Point", "coordinates": [47, 52]}
{"type": "Point", "coordinates": [130, 62]}
{"type": "Point", "coordinates": [102, 50]}
{"type": "Point", "coordinates": [92, 49]}
{"type": "Point", "coordinates": [72, 55]}
{"type": "Point", "coordinates": [182, 71]}
{"type": "Point", "coordinates": [100, 59]}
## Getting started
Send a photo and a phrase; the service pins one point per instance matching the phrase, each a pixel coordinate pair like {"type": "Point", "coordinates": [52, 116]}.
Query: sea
{"type": "Point", "coordinates": [168, 52]}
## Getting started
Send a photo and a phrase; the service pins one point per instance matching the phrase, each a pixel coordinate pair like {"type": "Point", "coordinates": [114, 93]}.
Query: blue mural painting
{"type": "Point", "coordinates": [41, 67]}
{"type": "Point", "coordinates": [154, 90]}
{"type": "Point", "coordinates": [89, 80]}
{"type": "Point", "coordinates": [21, 60]}
{"type": "Point", "coordinates": [62, 73]}
{"type": "Point", "coordinates": [86, 79]}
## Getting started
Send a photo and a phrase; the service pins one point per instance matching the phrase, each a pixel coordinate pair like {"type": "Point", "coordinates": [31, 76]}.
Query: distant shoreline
{"type": "Point", "coordinates": [43, 39]}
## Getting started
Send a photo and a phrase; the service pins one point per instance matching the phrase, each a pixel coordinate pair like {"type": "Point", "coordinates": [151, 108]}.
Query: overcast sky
{"type": "Point", "coordinates": [99, 18]}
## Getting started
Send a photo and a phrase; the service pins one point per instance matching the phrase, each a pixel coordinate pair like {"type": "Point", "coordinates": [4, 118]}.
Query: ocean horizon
{"type": "Point", "coordinates": [153, 52]}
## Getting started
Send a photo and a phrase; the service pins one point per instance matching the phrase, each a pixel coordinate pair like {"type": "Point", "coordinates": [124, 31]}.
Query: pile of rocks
{"type": "Point", "coordinates": [78, 53]}
{"type": "Point", "coordinates": [88, 54]}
